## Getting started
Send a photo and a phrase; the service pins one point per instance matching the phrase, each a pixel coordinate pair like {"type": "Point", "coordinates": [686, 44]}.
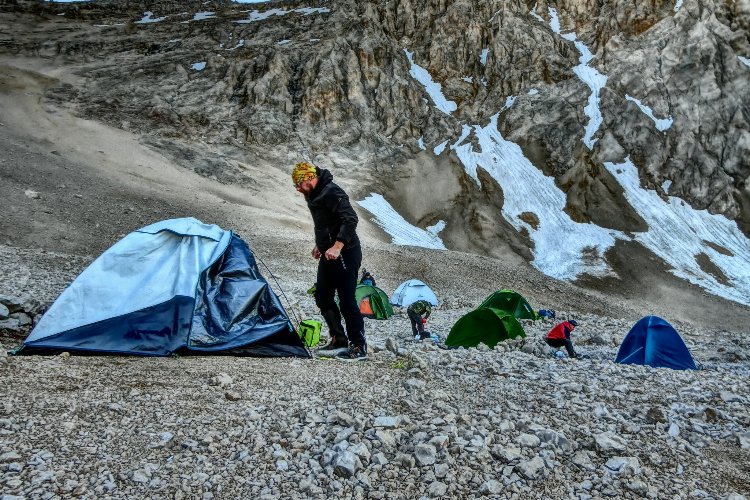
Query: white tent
{"type": "Point", "coordinates": [411, 291]}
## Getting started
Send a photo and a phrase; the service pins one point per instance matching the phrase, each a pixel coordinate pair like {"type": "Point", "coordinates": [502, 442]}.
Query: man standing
{"type": "Point", "coordinates": [559, 336]}
{"type": "Point", "coordinates": [339, 257]}
{"type": "Point", "coordinates": [415, 312]}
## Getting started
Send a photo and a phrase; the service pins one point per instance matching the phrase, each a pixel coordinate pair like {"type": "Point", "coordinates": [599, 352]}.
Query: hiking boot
{"type": "Point", "coordinates": [354, 353]}
{"type": "Point", "coordinates": [334, 347]}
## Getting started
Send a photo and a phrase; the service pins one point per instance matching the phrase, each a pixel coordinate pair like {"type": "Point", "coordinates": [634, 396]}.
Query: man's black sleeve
{"type": "Point", "coordinates": [348, 218]}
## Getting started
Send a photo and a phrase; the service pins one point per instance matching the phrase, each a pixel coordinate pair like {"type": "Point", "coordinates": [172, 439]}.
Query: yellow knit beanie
{"type": "Point", "coordinates": [303, 171]}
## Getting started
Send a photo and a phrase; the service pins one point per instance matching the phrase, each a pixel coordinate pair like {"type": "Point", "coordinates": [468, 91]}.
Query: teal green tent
{"type": "Point", "coordinates": [510, 301]}
{"type": "Point", "coordinates": [373, 302]}
{"type": "Point", "coordinates": [484, 325]}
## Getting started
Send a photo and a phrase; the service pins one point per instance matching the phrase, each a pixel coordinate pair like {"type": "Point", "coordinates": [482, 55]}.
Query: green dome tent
{"type": "Point", "coordinates": [511, 302]}
{"type": "Point", "coordinates": [373, 302]}
{"type": "Point", "coordinates": [487, 325]}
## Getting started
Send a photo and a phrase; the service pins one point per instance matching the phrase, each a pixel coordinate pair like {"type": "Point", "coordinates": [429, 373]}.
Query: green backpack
{"type": "Point", "coordinates": [309, 332]}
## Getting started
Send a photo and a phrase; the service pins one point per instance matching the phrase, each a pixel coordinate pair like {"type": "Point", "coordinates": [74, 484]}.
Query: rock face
{"type": "Point", "coordinates": [216, 86]}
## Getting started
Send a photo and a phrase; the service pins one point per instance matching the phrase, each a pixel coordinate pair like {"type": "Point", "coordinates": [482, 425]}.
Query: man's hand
{"type": "Point", "coordinates": [334, 252]}
{"type": "Point", "coordinates": [315, 252]}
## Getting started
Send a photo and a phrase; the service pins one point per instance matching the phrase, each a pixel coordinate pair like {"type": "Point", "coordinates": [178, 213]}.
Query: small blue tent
{"type": "Point", "coordinates": [411, 291]}
{"type": "Point", "coordinates": [653, 341]}
{"type": "Point", "coordinates": [175, 286]}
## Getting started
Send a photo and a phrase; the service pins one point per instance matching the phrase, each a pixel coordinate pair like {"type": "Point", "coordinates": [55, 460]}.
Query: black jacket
{"type": "Point", "coordinates": [333, 215]}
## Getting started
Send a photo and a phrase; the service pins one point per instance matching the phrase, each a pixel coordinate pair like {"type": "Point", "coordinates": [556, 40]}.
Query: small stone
{"type": "Point", "coordinates": [441, 470]}
{"type": "Point", "coordinates": [232, 396]}
{"type": "Point", "coordinates": [425, 454]}
{"type": "Point", "coordinates": [437, 489]}
{"type": "Point", "coordinates": [491, 487]}
{"type": "Point", "coordinates": [10, 456]}
{"type": "Point", "coordinates": [387, 422]}
{"type": "Point", "coordinates": [609, 442]}
{"type": "Point", "coordinates": [624, 466]}
{"type": "Point", "coordinates": [222, 380]}
{"type": "Point", "coordinates": [140, 476]}
{"type": "Point", "coordinates": [655, 414]}
{"type": "Point", "coordinates": [528, 440]}
{"type": "Point", "coordinates": [34, 195]}
{"type": "Point", "coordinates": [391, 345]}
{"type": "Point", "coordinates": [508, 454]}
{"type": "Point", "coordinates": [415, 384]}
{"type": "Point", "coordinates": [531, 469]}
{"type": "Point", "coordinates": [379, 459]}
{"type": "Point", "coordinates": [674, 430]}
{"type": "Point", "coordinates": [405, 460]}
{"type": "Point", "coordinates": [730, 397]}
{"type": "Point", "coordinates": [346, 464]}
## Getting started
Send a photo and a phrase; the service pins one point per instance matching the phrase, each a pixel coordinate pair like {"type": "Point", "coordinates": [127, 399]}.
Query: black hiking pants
{"type": "Point", "coordinates": [560, 343]}
{"type": "Point", "coordinates": [417, 328]}
{"type": "Point", "coordinates": [340, 276]}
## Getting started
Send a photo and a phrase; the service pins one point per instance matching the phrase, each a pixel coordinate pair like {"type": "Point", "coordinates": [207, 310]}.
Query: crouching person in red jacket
{"type": "Point", "coordinates": [559, 336]}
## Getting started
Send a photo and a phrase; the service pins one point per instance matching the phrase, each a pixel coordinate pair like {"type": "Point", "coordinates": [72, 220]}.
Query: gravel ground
{"type": "Point", "coordinates": [412, 421]}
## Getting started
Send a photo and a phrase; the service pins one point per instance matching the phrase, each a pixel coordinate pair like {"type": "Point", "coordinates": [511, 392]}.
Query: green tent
{"type": "Point", "coordinates": [373, 302]}
{"type": "Point", "coordinates": [510, 301]}
{"type": "Point", "coordinates": [487, 325]}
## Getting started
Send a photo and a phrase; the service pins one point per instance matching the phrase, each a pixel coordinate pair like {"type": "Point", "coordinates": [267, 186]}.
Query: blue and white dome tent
{"type": "Point", "coordinates": [175, 286]}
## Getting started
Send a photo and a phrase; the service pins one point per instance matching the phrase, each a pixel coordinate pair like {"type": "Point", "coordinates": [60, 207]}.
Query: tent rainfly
{"type": "Point", "coordinates": [373, 302]}
{"type": "Point", "coordinates": [654, 342]}
{"type": "Point", "coordinates": [484, 325]}
{"type": "Point", "coordinates": [512, 302]}
{"type": "Point", "coordinates": [175, 286]}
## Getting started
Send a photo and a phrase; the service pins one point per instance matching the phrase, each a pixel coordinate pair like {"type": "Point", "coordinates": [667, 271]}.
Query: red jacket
{"type": "Point", "coordinates": [561, 331]}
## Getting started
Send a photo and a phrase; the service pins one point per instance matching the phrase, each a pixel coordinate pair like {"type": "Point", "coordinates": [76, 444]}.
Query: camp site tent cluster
{"type": "Point", "coordinates": [177, 286]}
{"type": "Point", "coordinates": [495, 320]}
{"type": "Point", "coordinates": [374, 303]}
{"type": "Point", "coordinates": [652, 341]}
{"type": "Point", "coordinates": [182, 286]}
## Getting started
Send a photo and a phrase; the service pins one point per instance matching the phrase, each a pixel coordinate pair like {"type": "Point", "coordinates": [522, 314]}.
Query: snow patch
{"type": "Point", "coordinates": [239, 44]}
{"type": "Point", "coordinates": [679, 234]}
{"type": "Point", "coordinates": [483, 56]}
{"type": "Point", "coordinates": [536, 16]}
{"type": "Point", "coordinates": [200, 16]}
{"type": "Point", "coordinates": [677, 5]}
{"type": "Point", "coordinates": [420, 142]}
{"type": "Point", "coordinates": [402, 233]}
{"type": "Point", "coordinates": [148, 19]}
{"type": "Point", "coordinates": [440, 148]}
{"type": "Point", "coordinates": [588, 75]}
{"type": "Point", "coordinates": [434, 89]}
{"type": "Point", "coordinates": [661, 124]}
{"type": "Point", "coordinates": [666, 185]}
{"type": "Point", "coordinates": [509, 101]}
{"type": "Point", "coordinates": [259, 16]}
{"type": "Point", "coordinates": [256, 15]}
{"type": "Point", "coordinates": [744, 60]}
{"type": "Point", "coordinates": [199, 66]}
{"type": "Point", "coordinates": [563, 248]}
{"type": "Point", "coordinates": [533, 92]}
{"type": "Point", "coordinates": [468, 79]}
